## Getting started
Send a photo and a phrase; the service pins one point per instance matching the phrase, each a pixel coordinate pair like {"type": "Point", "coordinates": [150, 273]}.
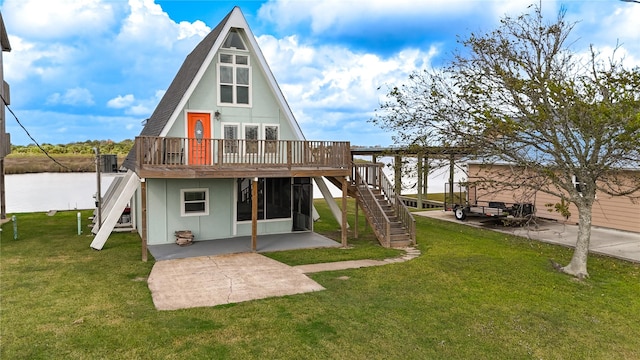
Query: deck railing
{"type": "Point", "coordinates": [178, 152]}
{"type": "Point", "coordinates": [365, 180]}
{"type": "Point", "coordinates": [370, 176]}
{"type": "Point", "coordinates": [402, 212]}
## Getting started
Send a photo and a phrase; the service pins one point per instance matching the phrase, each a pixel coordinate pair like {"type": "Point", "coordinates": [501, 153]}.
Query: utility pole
{"type": "Point", "coordinates": [5, 140]}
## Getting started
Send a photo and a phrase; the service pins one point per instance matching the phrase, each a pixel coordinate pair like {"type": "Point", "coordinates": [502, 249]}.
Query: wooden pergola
{"type": "Point", "coordinates": [423, 154]}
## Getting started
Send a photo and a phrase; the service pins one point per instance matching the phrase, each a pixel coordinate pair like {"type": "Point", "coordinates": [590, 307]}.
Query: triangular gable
{"type": "Point", "coordinates": [235, 19]}
{"type": "Point", "coordinates": [192, 71]}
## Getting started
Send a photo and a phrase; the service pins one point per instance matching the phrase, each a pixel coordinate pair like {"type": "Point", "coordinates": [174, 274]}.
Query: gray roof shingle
{"type": "Point", "coordinates": [176, 91]}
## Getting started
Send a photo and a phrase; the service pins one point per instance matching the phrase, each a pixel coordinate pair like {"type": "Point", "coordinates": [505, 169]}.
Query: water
{"type": "Point", "coordinates": [73, 191]}
{"type": "Point", "coordinates": [52, 191]}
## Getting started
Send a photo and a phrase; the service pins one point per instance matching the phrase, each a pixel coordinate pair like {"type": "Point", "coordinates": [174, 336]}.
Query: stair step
{"type": "Point", "coordinates": [401, 243]}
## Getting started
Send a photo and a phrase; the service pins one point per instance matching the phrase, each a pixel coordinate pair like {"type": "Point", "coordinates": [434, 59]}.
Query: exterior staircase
{"type": "Point", "coordinates": [399, 236]}
{"type": "Point", "coordinates": [390, 219]}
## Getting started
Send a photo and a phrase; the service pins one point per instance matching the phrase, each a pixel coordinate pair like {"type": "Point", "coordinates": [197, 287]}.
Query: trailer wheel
{"type": "Point", "coordinates": [459, 213]}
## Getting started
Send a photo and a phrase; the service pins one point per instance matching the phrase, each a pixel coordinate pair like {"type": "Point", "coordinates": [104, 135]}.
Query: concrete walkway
{"type": "Point", "coordinates": [187, 279]}
{"type": "Point", "coordinates": [206, 276]}
{"type": "Point", "coordinates": [225, 279]}
{"type": "Point", "coordinates": [619, 244]}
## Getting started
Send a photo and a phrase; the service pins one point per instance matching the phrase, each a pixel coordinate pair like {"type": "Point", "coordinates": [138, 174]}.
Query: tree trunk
{"type": "Point", "coordinates": [578, 265]}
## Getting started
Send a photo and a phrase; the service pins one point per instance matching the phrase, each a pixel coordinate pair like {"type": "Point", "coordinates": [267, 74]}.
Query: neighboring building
{"type": "Point", "coordinates": [5, 140]}
{"type": "Point", "coordinates": [222, 130]}
{"type": "Point", "coordinates": [615, 212]}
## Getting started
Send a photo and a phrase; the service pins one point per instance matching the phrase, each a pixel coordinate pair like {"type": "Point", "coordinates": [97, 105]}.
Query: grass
{"type": "Point", "coordinates": [37, 163]}
{"type": "Point", "coordinates": [472, 294]}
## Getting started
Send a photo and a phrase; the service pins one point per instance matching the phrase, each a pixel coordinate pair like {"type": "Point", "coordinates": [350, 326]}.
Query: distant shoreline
{"type": "Point", "coordinates": [40, 163]}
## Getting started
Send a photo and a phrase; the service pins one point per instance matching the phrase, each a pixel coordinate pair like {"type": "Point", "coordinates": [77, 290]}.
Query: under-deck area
{"type": "Point", "coordinates": [265, 243]}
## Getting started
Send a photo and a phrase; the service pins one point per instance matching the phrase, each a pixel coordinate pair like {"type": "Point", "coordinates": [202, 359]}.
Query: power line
{"type": "Point", "coordinates": [31, 137]}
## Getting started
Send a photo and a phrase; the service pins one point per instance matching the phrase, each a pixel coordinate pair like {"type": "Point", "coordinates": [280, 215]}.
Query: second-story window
{"type": "Point", "coordinates": [234, 71]}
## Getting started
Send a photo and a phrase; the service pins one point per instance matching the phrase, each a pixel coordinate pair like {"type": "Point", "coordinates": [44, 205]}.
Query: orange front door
{"type": "Point", "coordinates": [199, 135]}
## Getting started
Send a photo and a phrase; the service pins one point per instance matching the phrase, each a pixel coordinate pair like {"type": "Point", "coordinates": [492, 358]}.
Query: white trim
{"type": "Point", "coordinates": [264, 130]}
{"type": "Point", "coordinates": [246, 141]}
{"type": "Point", "coordinates": [234, 82]}
{"type": "Point", "coordinates": [186, 130]}
{"type": "Point", "coordinates": [206, 202]}
{"type": "Point", "coordinates": [233, 19]}
{"type": "Point", "coordinates": [236, 19]}
{"type": "Point", "coordinates": [238, 135]}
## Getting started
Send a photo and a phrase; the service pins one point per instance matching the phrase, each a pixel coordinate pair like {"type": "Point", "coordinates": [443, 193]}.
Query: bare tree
{"type": "Point", "coordinates": [519, 95]}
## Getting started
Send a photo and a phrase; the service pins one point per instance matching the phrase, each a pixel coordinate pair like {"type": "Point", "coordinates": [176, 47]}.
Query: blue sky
{"type": "Point", "coordinates": [95, 69]}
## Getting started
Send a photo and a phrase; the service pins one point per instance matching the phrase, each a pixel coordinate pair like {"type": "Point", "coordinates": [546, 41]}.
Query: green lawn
{"type": "Point", "coordinates": [472, 294]}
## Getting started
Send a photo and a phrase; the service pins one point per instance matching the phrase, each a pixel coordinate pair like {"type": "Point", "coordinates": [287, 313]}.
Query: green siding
{"type": "Point", "coordinates": [264, 109]}
{"type": "Point", "coordinates": [163, 195]}
{"type": "Point", "coordinates": [165, 219]}
{"type": "Point", "coordinates": [266, 227]}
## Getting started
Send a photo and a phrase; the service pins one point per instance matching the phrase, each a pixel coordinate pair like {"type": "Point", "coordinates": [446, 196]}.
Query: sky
{"type": "Point", "coordinates": [95, 69]}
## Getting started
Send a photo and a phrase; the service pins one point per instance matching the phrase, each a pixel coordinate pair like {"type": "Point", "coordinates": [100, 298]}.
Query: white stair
{"type": "Point", "coordinates": [128, 187]}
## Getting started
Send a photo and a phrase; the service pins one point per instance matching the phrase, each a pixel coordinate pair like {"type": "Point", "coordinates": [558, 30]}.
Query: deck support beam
{"type": "Point", "coordinates": [143, 201]}
{"type": "Point", "coordinates": [254, 214]}
{"type": "Point", "coordinates": [420, 178]}
{"type": "Point", "coordinates": [356, 223]}
{"type": "Point", "coordinates": [344, 211]}
{"type": "Point", "coordinates": [397, 169]}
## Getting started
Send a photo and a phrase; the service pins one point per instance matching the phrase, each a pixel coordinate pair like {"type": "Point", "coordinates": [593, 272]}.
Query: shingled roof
{"type": "Point", "coordinates": [181, 82]}
{"type": "Point", "coordinates": [195, 63]}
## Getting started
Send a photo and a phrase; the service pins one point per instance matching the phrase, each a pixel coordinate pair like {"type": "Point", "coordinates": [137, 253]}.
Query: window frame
{"type": "Point", "coordinates": [183, 202]}
{"type": "Point", "coordinates": [252, 146]}
{"type": "Point", "coordinates": [270, 145]}
{"type": "Point", "coordinates": [235, 66]}
{"type": "Point", "coordinates": [236, 146]}
{"type": "Point", "coordinates": [267, 206]}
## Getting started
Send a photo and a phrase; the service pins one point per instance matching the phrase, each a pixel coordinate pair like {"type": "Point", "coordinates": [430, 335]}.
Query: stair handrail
{"type": "Point", "coordinates": [402, 211]}
{"type": "Point", "coordinates": [379, 221]}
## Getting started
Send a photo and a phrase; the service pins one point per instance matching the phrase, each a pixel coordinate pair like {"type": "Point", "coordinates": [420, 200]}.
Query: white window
{"type": "Point", "coordinates": [271, 137]}
{"type": "Point", "coordinates": [194, 202]}
{"type": "Point", "coordinates": [251, 132]}
{"type": "Point", "coordinates": [230, 134]}
{"type": "Point", "coordinates": [234, 72]}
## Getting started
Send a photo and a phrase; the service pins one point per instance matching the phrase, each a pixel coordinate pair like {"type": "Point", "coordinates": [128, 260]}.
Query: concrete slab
{"type": "Point", "coordinates": [216, 280]}
{"type": "Point", "coordinates": [619, 244]}
{"type": "Point", "coordinates": [265, 243]}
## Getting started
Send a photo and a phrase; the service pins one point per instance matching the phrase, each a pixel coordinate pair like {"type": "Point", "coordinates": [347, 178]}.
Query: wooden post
{"type": "Point", "coordinates": [254, 214]}
{"type": "Point", "coordinates": [143, 197]}
{"type": "Point", "coordinates": [419, 185]}
{"type": "Point", "coordinates": [451, 172]}
{"type": "Point", "coordinates": [425, 175]}
{"type": "Point", "coordinates": [397, 168]}
{"type": "Point", "coordinates": [3, 207]}
{"type": "Point", "coordinates": [355, 230]}
{"type": "Point", "coordinates": [344, 211]}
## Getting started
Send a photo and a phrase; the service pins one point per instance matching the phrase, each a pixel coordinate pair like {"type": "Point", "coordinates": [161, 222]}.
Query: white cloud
{"type": "Point", "coordinates": [74, 97]}
{"type": "Point", "coordinates": [148, 25]}
{"type": "Point", "coordinates": [343, 16]}
{"type": "Point", "coordinates": [74, 127]}
{"type": "Point", "coordinates": [29, 59]}
{"type": "Point", "coordinates": [120, 101]}
{"type": "Point", "coordinates": [133, 106]}
{"type": "Point", "coordinates": [50, 19]}
{"type": "Point", "coordinates": [330, 87]}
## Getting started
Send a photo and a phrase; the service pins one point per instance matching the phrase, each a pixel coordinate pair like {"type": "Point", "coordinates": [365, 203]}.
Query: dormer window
{"type": "Point", "coordinates": [234, 71]}
{"type": "Point", "coordinates": [234, 41]}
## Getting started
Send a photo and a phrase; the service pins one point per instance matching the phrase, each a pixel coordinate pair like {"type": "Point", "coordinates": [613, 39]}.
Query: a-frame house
{"type": "Point", "coordinates": [222, 154]}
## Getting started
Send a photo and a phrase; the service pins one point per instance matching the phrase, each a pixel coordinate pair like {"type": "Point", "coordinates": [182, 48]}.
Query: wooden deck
{"type": "Point", "coordinates": [169, 157]}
